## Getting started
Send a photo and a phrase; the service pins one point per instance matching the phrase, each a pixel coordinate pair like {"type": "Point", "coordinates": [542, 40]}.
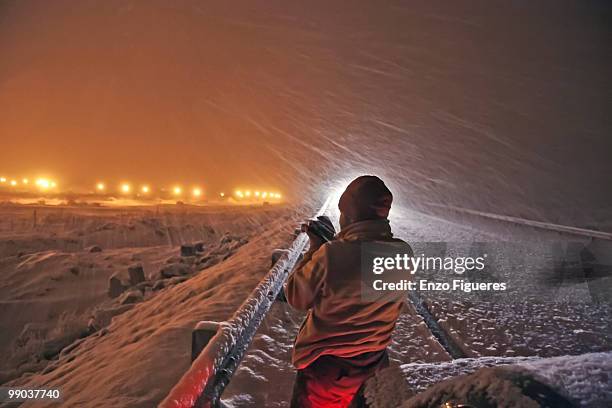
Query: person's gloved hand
{"type": "Point", "coordinates": [315, 240]}
{"type": "Point", "coordinates": [319, 231]}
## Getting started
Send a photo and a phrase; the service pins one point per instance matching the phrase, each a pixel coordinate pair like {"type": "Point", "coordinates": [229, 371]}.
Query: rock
{"type": "Point", "coordinates": [173, 259]}
{"type": "Point", "coordinates": [226, 239]}
{"type": "Point", "coordinates": [102, 317]}
{"type": "Point", "coordinates": [188, 250]}
{"type": "Point", "coordinates": [189, 260]}
{"type": "Point", "coordinates": [209, 261]}
{"type": "Point", "coordinates": [132, 296]}
{"type": "Point", "coordinates": [204, 259]}
{"type": "Point", "coordinates": [158, 285]}
{"type": "Point", "coordinates": [142, 286]}
{"type": "Point", "coordinates": [178, 269]}
{"type": "Point", "coordinates": [74, 270]}
{"type": "Point", "coordinates": [136, 273]}
{"type": "Point", "coordinates": [93, 249]}
{"type": "Point", "coordinates": [199, 246]}
{"type": "Point", "coordinates": [177, 279]}
{"type": "Point", "coordinates": [492, 387]}
{"type": "Point", "coordinates": [115, 286]}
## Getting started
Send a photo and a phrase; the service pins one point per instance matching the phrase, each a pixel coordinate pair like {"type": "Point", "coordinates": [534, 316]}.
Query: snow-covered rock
{"type": "Point", "coordinates": [115, 286]}
{"type": "Point", "coordinates": [583, 380]}
{"type": "Point", "coordinates": [132, 296]}
{"type": "Point", "coordinates": [178, 269]}
{"type": "Point", "coordinates": [188, 250]}
{"type": "Point", "coordinates": [136, 273]}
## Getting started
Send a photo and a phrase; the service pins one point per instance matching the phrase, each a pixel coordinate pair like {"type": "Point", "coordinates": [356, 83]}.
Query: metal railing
{"type": "Point", "coordinates": [226, 343]}
{"type": "Point", "coordinates": [563, 229]}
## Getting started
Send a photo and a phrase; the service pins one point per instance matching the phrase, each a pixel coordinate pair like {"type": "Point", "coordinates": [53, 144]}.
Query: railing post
{"type": "Point", "coordinates": [201, 335]}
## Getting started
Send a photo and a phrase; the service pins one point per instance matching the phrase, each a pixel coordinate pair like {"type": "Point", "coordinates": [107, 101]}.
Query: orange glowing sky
{"type": "Point", "coordinates": [508, 101]}
{"type": "Point", "coordinates": [158, 93]}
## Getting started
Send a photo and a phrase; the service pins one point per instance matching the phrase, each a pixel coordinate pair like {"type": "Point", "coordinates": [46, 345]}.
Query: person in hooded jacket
{"type": "Point", "coordinates": [343, 340]}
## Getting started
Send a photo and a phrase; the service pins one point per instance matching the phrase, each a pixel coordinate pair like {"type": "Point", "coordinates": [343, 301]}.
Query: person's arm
{"type": "Point", "coordinates": [304, 284]}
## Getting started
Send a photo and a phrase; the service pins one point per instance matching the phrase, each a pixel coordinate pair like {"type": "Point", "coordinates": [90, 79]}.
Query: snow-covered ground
{"type": "Point", "coordinates": [535, 317]}
{"type": "Point", "coordinates": [61, 329]}
{"type": "Point", "coordinates": [65, 331]}
{"type": "Point", "coordinates": [58, 314]}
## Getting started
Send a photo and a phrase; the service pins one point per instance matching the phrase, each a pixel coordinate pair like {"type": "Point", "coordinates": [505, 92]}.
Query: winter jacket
{"type": "Point", "coordinates": [328, 283]}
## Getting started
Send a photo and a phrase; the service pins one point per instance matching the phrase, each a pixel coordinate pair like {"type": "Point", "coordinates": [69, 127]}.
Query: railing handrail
{"type": "Point", "coordinates": [566, 229]}
{"type": "Point", "coordinates": [211, 371]}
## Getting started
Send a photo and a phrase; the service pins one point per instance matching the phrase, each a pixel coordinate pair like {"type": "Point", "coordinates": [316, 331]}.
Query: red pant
{"type": "Point", "coordinates": [333, 382]}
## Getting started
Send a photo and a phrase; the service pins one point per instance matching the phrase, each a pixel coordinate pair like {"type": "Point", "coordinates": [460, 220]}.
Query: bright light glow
{"type": "Point", "coordinates": [25, 181]}
{"type": "Point", "coordinates": [258, 194]}
{"type": "Point", "coordinates": [222, 194]}
{"type": "Point", "coordinates": [177, 190]}
{"type": "Point", "coordinates": [13, 183]}
{"type": "Point", "coordinates": [197, 192]}
{"type": "Point", "coordinates": [53, 184]}
{"type": "Point", "coordinates": [43, 183]}
{"type": "Point", "coordinates": [2, 179]}
{"type": "Point", "coordinates": [145, 189]}
{"type": "Point", "coordinates": [100, 186]}
{"type": "Point", "coordinates": [125, 188]}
